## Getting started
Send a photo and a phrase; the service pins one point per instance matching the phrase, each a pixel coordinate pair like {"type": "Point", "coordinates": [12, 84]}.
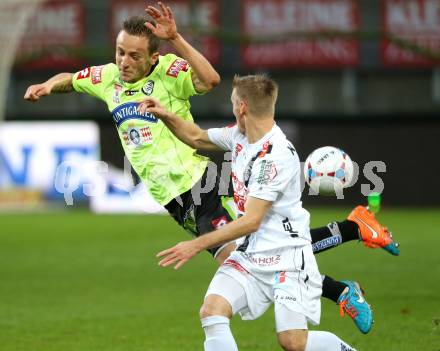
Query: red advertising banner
{"type": "Point", "coordinates": [413, 28]}
{"type": "Point", "coordinates": [53, 36]}
{"type": "Point", "coordinates": [204, 16]}
{"type": "Point", "coordinates": [301, 19]}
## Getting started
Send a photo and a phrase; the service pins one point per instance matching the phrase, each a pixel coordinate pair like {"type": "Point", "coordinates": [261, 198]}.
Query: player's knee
{"type": "Point", "coordinates": [293, 345]}
{"type": "Point", "coordinates": [215, 305]}
{"type": "Point", "coordinates": [293, 340]}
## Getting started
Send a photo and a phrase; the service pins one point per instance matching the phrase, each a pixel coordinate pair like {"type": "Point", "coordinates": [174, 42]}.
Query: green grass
{"type": "Point", "coordinates": [76, 281]}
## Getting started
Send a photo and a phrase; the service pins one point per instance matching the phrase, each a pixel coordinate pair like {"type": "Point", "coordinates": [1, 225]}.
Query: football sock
{"type": "Point", "coordinates": [334, 234]}
{"type": "Point", "coordinates": [325, 341]}
{"type": "Point", "coordinates": [332, 289]}
{"type": "Point", "coordinates": [349, 230]}
{"type": "Point", "coordinates": [218, 336]}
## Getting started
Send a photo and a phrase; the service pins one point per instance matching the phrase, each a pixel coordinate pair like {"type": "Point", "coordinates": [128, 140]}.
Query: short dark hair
{"type": "Point", "coordinates": [259, 91]}
{"type": "Point", "coordinates": [136, 26]}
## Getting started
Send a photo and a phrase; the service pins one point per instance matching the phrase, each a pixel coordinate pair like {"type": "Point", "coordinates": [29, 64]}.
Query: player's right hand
{"type": "Point", "coordinates": [35, 92]}
{"type": "Point", "coordinates": [179, 254]}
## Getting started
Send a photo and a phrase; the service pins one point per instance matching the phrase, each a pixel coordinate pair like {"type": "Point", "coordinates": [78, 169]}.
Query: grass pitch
{"type": "Point", "coordinates": [76, 281]}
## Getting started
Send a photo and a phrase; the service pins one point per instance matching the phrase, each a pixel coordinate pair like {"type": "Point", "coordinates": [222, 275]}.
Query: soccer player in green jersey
{"type": "Point", "coordinates": [172, 171]}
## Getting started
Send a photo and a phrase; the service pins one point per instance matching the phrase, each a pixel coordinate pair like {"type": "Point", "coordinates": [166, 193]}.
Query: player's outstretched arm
{"type": "Point", "coordinates": [204, 77]}
{"type": "Point", "coordinates": [60, 83]}
{"type": "Point", "coordinates": [178, 255]}
{"type": "Point", "coordinates": [188, 132]}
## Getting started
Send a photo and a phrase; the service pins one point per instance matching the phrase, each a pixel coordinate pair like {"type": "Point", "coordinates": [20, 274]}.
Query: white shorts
{"type": "Point", "coordinates": [251, 292]}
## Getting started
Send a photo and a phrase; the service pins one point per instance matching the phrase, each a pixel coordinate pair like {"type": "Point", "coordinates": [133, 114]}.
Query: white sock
{"type": "Point", "coordinates": [218, 334]}
{"type": "Point", "coordinates": [325, 341]}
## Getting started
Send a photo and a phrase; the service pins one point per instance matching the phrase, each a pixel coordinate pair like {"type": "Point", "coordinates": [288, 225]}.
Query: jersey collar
{"type": "Point", "coordinates": [265, 137]}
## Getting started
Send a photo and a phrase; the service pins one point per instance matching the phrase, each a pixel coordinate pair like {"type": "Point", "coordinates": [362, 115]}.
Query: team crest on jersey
{"type": "Point", "coordinates": [177, 66]}
{"type": "Point", "coordinates": [147, 89]}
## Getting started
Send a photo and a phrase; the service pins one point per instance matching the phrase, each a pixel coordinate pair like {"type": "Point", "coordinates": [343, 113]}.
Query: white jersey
{"type": "Point", "coordinates": [269, 170]}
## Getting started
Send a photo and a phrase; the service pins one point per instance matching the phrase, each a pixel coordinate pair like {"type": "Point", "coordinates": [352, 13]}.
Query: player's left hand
{"type": "Point", "coordinates": [179, 254]}
{"type": "Point", "coordinates": [152, 105]}
{"type": "Point", "coordinates": [165, 27]}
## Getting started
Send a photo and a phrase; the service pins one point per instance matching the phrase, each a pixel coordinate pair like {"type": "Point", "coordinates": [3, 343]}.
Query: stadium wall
{"type": "Point", "coordinates": [407, 149]}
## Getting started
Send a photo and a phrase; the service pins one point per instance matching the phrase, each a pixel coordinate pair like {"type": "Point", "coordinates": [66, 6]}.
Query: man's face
{"type": "Point", "coordinates": [132, 57]}
{"type": "Point", "coordinates": [238, 107]}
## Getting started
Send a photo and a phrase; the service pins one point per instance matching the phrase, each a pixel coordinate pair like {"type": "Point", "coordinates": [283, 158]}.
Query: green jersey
{"type": "Point", "coordinates": [167, 166]}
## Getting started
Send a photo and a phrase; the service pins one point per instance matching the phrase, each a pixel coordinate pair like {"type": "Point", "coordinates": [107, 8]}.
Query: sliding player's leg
{"type": "Point", "coordinates": [361, 225]}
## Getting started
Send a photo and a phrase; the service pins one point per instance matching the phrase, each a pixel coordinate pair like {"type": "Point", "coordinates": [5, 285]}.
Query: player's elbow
{"type": "Point", "coordinates": [198, 144]}
{"type": "Point", "coordinates": [213, 81]}
{"type": "Point", "coordinates": [197, 141]}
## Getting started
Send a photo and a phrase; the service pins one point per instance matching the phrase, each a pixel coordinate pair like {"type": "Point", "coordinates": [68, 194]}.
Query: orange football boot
{"type": "Point", "coordinates": [371, 232]}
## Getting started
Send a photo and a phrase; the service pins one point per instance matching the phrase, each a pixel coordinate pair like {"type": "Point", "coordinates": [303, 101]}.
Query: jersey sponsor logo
{"type": "Point", "coordinates": [134, 136]}
{"type": "Point", "coordinates": [177, 66]}
{"type": "Point", "coordinates": [267, 148]}
{"type": "Point", "coordinates": [219, 222]}
{"type": "Point", "coordinates": [326, 243]}
{"type": "Point", "coordinates": [97, 74]}
{"type": "Point", "coordinates": [146, 134]}
{"type": "Point", "coordinates": [147, 89]}
{"type": "Point", "coordinates": [130, 92]}
{"type": "Point", "coordinates": [265, 261]}
{"type": "Point", "coordinates": [117, 94]}
{"type": "Point", "coordinates": [282, 297]}
{"type": "Point", "coordinates": [280, 277]}
{"type": "Point", "coordinates": [288, 228]}
{"type": "Point", "coordinates": [85, 73]}
{"type": "Point", "coordinates": [138, 136]}
{"type": "Point", "coordinates": [268, 172]}
{"type": "Point", "coordinates": [129, 111]}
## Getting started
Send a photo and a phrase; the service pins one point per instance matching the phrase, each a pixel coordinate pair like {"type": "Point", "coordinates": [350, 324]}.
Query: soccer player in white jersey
{"type": "Point", "coordinates": [274, 262]}
{"type": "Point", "coordinates": [170, 169]}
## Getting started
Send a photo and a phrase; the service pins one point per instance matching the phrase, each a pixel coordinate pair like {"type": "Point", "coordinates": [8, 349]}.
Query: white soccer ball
{"type": "Point", "coordinates": [328, 170]}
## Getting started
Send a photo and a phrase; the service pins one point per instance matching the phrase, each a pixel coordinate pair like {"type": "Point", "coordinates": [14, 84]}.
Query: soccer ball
{"type": "Point", "coordinates": [328, 170]}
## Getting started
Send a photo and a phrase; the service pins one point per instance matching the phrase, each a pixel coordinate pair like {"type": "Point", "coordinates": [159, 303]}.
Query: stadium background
{"type": "Point", "coordinates": [361, 75]}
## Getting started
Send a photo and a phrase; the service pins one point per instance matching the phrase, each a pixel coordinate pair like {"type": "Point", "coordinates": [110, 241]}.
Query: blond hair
{"type": "Point", "coordinates": [259, 91]}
